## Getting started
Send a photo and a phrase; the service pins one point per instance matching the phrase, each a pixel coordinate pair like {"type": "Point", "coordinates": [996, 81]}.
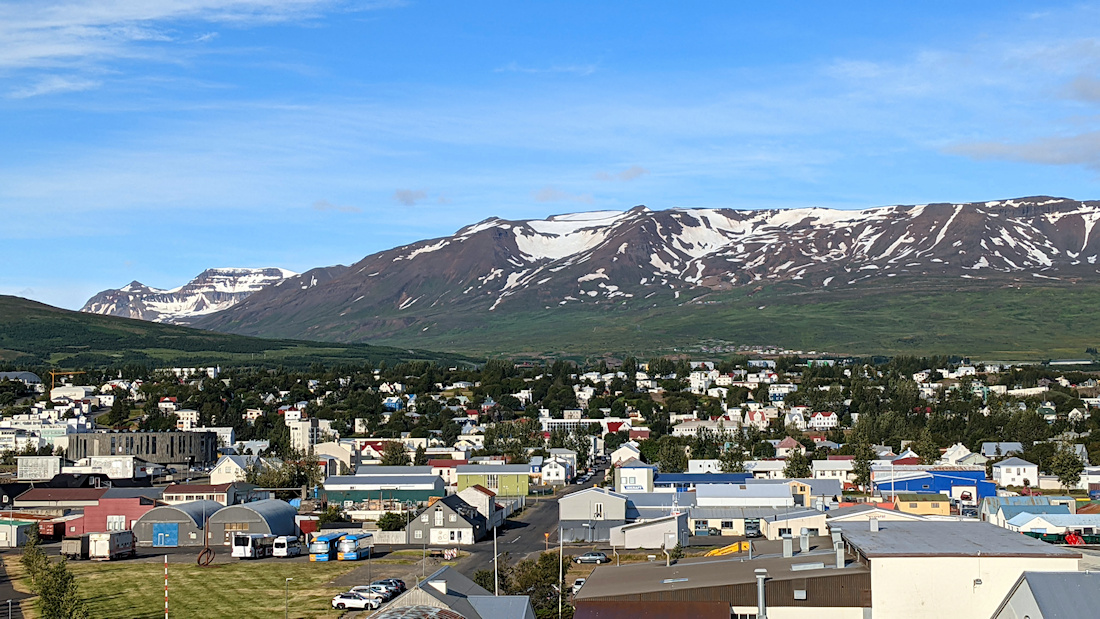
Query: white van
{"type": "Point", "coordinates": [287, 546]}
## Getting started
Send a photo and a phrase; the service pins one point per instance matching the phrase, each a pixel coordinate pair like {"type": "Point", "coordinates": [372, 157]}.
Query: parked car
{"type": "Point", "coordinates": [969, 512]}
{"type": "Point", "coordinates": [355, 600]}
{"type": "Point", "coordinates": [577, 584]}
{"type": "Point", "coordinates": [592, 557]}
{"type": "Point", "coordinates": [367, 591]}
{"type": "Point", "coordinates": [396, 582]}
{"type": "Point", "coordinates": [394, 590]}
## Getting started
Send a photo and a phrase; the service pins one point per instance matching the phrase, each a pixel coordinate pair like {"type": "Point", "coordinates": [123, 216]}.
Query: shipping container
{"type": "Point", "coordinates": [75, 548]}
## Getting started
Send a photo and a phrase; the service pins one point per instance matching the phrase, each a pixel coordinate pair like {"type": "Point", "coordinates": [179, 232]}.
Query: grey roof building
{"type": "Point", "coordinates": [378, 469]}
{"type": "Point", "coordinates": [1051, 595]}
{"type": "Point", "coordinates": [448, 589]}
{"type": "Point", "coordinates": [270, 516]}
{"type": "Point", "coordinates": [175, 525]}
{"type": "Point", "coordinates": [1003, 448]}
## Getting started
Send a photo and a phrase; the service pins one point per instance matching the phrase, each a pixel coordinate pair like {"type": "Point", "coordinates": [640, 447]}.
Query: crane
{"type": "Point", "coordinates": [54, 375]}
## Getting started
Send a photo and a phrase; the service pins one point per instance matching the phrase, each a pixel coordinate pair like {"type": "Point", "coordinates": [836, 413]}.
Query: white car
{"type": "Point", "coordinates": [355, 600]}
{"type": "Point", "coordinates": [577, 584]}
{"type": "Point", "coordinates": [373, 591]}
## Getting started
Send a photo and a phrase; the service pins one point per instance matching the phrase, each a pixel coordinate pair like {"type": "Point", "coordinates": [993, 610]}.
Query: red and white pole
{"type": "Point", "coordinates": [165, 586]}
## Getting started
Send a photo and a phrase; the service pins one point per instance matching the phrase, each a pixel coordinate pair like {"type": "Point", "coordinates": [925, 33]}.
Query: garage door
{"type": "Point", "coordinates": [166, 534]}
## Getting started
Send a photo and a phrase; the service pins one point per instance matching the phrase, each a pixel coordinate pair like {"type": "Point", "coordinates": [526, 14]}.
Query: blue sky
{"type": "Point", "coordinates": [152, 140]}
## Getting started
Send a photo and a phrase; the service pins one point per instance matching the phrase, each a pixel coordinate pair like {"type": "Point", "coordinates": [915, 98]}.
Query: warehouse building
{"type": "Point", "coordinates": [169, 526]}
{"type": "Point", "coordinates": [270, 517]}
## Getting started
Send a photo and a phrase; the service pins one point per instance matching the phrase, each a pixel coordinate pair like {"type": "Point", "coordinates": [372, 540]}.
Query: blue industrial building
{"type": "Point", "coordinates": [906, 480]}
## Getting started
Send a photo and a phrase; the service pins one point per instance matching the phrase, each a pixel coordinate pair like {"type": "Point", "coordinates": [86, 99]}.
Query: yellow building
{"type": "Point", "coordinates": [924, 504]}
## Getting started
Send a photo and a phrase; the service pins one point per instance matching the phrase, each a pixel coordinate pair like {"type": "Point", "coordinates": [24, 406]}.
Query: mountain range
{"type": "Point", "coordinates": [599, 269]}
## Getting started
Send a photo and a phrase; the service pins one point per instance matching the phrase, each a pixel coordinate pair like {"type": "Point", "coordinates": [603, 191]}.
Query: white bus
{"type": "Point", "coordinates": [287, 546]}
{"type": "Point", "coordinates": [253, 546]}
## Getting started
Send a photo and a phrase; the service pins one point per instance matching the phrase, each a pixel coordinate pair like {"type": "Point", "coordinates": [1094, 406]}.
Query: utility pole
{"type": "Point", "coordinates": [561, 568]}
{"type": "Point", "coordinates": [286, 600]}
{"type": "Point", "coordinates": [496, 561]}
{"type": "Point", "coordinates": [165, 590]}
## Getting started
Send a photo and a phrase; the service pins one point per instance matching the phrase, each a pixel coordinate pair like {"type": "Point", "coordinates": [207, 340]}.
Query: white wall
{"type": "Point", "coordinates": [804, 612]}
{"type": "Point", "coordinates": [937, 587]}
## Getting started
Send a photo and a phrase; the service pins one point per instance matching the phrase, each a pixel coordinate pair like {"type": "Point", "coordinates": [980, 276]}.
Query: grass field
{"type": "Point", "coordinates": [230, 591]}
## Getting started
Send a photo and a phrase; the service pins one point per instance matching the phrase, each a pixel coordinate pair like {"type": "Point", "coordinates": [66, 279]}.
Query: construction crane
{"type": "Point", "coordinates": [54, 375]}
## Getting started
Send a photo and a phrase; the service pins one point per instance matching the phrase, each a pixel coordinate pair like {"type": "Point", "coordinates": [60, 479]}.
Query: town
{"type": "Point", "coordinates": [781, 486]}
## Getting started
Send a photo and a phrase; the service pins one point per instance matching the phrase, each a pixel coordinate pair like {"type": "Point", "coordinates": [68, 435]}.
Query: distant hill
{"type": "Point", "coordinates": [32, 333]}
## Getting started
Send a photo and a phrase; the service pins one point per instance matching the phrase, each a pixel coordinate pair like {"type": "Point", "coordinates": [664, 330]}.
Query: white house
{"type": "Point", "coordinates": [1015, 472]}
{"type": "Point", "coordinates": [555, 472]}
{"type": "Point", "coordinates": [834, 469]}
{"type": "Point", "coordinates": [824, 420]}
{"type": "Point", "coordinates": [625, 452]}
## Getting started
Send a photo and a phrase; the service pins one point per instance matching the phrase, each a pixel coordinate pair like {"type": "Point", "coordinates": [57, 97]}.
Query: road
{"type": "Point", "coordinates": [524, 535]}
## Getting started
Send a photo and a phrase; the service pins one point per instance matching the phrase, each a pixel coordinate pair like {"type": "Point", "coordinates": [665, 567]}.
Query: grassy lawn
{"type": "Point", "coordinates": [231, 590]}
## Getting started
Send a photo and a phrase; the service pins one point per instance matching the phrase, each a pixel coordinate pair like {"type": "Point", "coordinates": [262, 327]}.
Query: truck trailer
{"type": "Point", "coordinates": [111, 546]}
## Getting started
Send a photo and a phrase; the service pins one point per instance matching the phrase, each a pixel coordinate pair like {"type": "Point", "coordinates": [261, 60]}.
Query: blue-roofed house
{"type": "Point", "coordinates": [682, 482]}
{"type": "Point", "coordinates": [1007, 512]}
{"type": "Point", "coordinates": [1027, 522]}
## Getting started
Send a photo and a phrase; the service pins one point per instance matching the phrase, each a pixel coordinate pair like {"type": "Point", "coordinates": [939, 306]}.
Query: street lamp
{"type": "Point", "coordinates": [286, 604]}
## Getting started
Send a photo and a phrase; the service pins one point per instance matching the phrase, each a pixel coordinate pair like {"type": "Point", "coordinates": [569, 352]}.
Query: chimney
{"type": "Point", "coordinates": [761, 606]}
{"type": "Point", "coordinates": [438, 585]}
{"type": "Point", "coordinates": [874, 525]}
{"type": "Point", "coordinates": [804, 541]}
{"type": "Point", "coordinates": [788, 546]}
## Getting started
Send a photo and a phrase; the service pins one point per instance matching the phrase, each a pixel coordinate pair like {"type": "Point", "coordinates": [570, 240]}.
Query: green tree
{"type": "Point", "coordinates": [391, 521]}
{"type": "Point", "coordinates": [671, 457]}
{"type": "Point", "coordinates": [798, 466]}
{"type": "Point", "coordinates": [34, 560]}
{"type": "Point", "coordinates": [1067, 466]}
{"type": "Point", "coordinates": [394, 454]}
{"type": "Point", "coordinates": [58, 594]}
{"type": "Point", "coordinates": [925, 447]}
{"type": "Point", "coordinates": [861, 465]}
{"type": "Point", "coordinates": [732, 458]}
{"type": "Point", "coordinates": [421, 457]}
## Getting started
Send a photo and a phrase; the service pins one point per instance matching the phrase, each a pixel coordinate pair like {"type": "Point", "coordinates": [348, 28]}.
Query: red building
{"type": "Point", "coordinates": [117, 510]}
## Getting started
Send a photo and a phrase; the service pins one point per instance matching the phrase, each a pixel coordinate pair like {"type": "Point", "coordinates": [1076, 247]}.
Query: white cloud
{"type": "Point", "coordinates": [628, 174]}
{"type": "Point", "coordinates": [53, 84]}
{"type": "Point", "coordinates": [409, 197]}
{"type": "Point", "coordinates": [326, 206]}
{"type": "Point", "coordinates": [1082, 149]}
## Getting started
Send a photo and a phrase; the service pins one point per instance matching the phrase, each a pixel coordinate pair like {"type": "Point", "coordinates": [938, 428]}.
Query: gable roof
{"type": "Point", "coordinates": [1058, 595]}
{"type": "Point", "coordinates": [1014, 461]}
{"type": "Point", "coordinates": [788, 443]}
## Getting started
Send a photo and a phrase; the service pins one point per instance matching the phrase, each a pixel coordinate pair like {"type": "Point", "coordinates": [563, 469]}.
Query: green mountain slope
{"type": "Point", "coordinates": [32, 332]}
{"type": "Point", "coordinates": [987, 321]}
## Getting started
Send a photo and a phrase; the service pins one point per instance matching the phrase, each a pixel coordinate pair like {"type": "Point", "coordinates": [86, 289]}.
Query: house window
{"type": "Point", "coordinates": [438, 517]}
{"type": "Point", "coordinates": [629, 480]}
{"type": "Point", "coordinates": [236, 526]}
{"type": "Point", "coordinates": [783, 532]}
{"type": "Point", "coordinates": [493, 481]}
{"type": "Point", "coordinates": [424, 518]}
{"type": "Point", "coordinates": [116, 523]}
{"type": "Point", "coordinates": [727, 524]}
{"type": "Point", "coordinates": [935, 506]}
{"type": "Point", "coordinates": [912, 506]}
{"type": "Point", "coordinates": [418, 534]}
{"type": "Point", "coordinates": [597, 511]}
{"type": "Point", "coordinates": [453, 518]}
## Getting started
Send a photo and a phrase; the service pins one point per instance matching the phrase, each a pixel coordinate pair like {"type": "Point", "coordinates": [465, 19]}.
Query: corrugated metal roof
{"type": "Point", "coordinates": [197, 511]}
{"type": "Point", "coordinates": [279, 515]}
{"type": "Point", "coordinates": [1064, 595]}
{"type": "Point", "coordinates": [373, 482]}
{"type": "Point", "coordinates": [946, 539]}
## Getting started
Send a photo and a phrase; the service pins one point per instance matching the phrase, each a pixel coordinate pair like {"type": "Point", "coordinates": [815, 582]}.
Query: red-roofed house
{"type": "Point", "coordinates": [639, 434]}
{"type": "Point", "coordinates": [484, 500]}
{"type": "Point", "coordinates": [787, 446]}
{"type": "Point", "coordinates": [447, 469]}
{"type": "Point", "coordinates": [614, 426]}
{"type": "Point", "coordinates": [826, 420]}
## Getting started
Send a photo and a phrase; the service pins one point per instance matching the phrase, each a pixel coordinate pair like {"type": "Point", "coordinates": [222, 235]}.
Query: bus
{"type": "Point", "coordinates": [254, 546]}
{"type": "Point", "coordinates": [354, 546]}
{"type": "Point", "coordinates": [323, 547]}
{"type": "Point", "coordinates": [287, 546]}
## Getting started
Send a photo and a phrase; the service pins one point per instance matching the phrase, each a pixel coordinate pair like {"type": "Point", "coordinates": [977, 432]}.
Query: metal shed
{"type": "Point", "coordinates": [169, 526]}
{"type": "Point", "coordinates": [270, 516]}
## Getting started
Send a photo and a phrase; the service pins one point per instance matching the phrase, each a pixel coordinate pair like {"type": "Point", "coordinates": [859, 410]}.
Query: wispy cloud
{"type": "Point", "coordinates": [53, 84]}
{"type": "Point", "coordinates": [1082, 149]}
{"type": "Point", "coordinates": [576, 69]}
{"type": "Point", "coordinates": [1084, 88]}
{"type": "Point", "coordinates": [628, 174]}
{"type": "Point", "coordinates": [326, 206]}
{"type": "Point", "coordinates": [553, 194]}
{"type": "Point", "coordinates": [409, 197]}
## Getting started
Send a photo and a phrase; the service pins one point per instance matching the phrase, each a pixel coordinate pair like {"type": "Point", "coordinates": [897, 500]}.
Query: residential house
{"type": "Point", "coordinates": [1049, 595]}
{"type": "Point", "coordinates": [1015, 472]}
{"type": "Point", "coordinates": [787, 446]}
{"type": "Point", "coordinates": [447, 469]}
{"type": "Point", "coordinates": [448, 520]}
{"type": "Point", "coordinates": [843, 470]}
{"type": "Point", "coordinates": [556, 472]}
{"type": "Point", "coordinates": [634, 476]}
{"type": "Point", "coordinates": [924, 504]}
{"type": "Point", "coordinates": [447, 594]}
{"type": "Point", "coordinates": [235, 468]}
{"type": "Point", "coordinates": [824, 420]}
{"type": "Point", "coordinates": [484, 501]}
{"type": "Point", "coordinates": [625, 452]}
{"type": "Point", "coordinates": [998, 449]}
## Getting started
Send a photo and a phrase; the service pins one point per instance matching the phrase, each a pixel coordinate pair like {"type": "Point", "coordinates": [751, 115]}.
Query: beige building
{"type": "Point", "coordinates": [935, 569]}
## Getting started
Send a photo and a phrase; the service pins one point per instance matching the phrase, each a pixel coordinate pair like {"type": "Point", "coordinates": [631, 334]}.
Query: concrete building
{"type": "Point", "coordinates": [843, 470]}
{"type": "Point", "coordinates": [226, 494]}
{"type": "Point", "coordinates": [924, 504]}
{"type": "Point", "coordinates": [1084, 524]}
{"type": "Point", "coordinates": [926, 570]}
{"type": "Point", "coordinates": [665, 532]}
{"type": "Point", "coordinates": [791, 523]}
{"type": "Point", "coordinates": [170, 526]}
{"type": "Point", "coordinates": [757, 495]}
{"type": "Point", "coordinates": [590, 514]}
{"type": "Point", "coordinates": [633, 475]}
{"type": "Point", "coordinates": [271, 517]}
{"type": "Point", "coordinates": [166, 448]}
{"type": "Point", "coordinates": [37, 468]}
{"type": "Point", "coordinates": [864, 512]}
